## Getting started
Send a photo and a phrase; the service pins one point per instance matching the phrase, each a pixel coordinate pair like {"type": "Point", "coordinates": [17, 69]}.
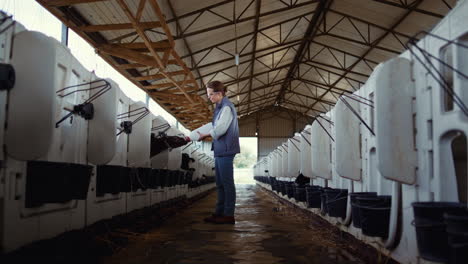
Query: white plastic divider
{"type": "Point", "coordinates": [321, 150]}
{"type": "Point", "coordinates": [284, 160]}
{"type": "Point", "coordinates": [259, 167]}
{"type": "Point", "coordinates": [139, 154]}
{"type": "Point", "coordinates": [306, 152]}
{"type": "Point", "coordinates": [187, 149]}
{"type": "Point", "coordinates": [175, 155]}
{"type": "Point", "coordinates": [394, 92]}
{"type": "Point", "coordinates": [279, 162]}
{"type": "Point", "coordinates": [105, 149]}
{"type": "Point", "coordinates": [450, 113]}
{"type": "Point", "coordinates": [197, 174]}
{"type": "Point", "coordinates": [272, 164]}
{"type": "Point", "coordinates": [102, 128]}
{"type": "Point", "coordinates": [25, 102]}
{"type": "Point", "coordinates": [264, 168]}
{"type": "Point", "coordinates": [34, 109]}
{"type": "Point", "coordinates": [294, 155]}
{"type": "Point", "coordinates": [373, 181]}
{"type": "Point", "coordinates": [175, 160]}
{"type": "Point", "coordinates": [160, 160]}
{"type": "Point", "coordinates": [6, 42]}
{"type": "Point", "coordinates": [347, 139]}
{"type": "Point", "coordinates": [121, 149]}
{"type": "Point", "coordinates": [138, 141]}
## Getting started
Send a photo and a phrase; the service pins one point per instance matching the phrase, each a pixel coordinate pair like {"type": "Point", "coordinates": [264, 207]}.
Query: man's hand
{"type": "Point", "coordinates": [202, 136]}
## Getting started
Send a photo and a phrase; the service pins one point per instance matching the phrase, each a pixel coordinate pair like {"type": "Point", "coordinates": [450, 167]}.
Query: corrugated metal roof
{"type": "Point", "coordinates": [298, 54]}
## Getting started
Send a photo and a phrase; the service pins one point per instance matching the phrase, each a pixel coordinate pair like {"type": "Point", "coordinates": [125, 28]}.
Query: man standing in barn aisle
{"type": "Point", "coordinates": [225, 134]}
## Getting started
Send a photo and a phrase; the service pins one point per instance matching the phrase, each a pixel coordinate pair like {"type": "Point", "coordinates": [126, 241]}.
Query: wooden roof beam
{"type": "Point", "coordinates": [128, 54]}
{"type": "Point", "coordinates": [127, 66]}
{"type": "Point", "coordinates": [158, 61]}
{"type": "Point", "coordinates": [158, 76]}
{"type": "Point", "coordinates": [141, 47]}
{"type": "Point", "coordinates": [166, 85]}
{"type": "Point", "coordinates": [57, 3]}
{"type": "Point", "coordinates": [107, 27]}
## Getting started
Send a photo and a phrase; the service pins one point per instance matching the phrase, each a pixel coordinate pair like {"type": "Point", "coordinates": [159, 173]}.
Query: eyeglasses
{"type": "Point", "coordinates": [213, 93]}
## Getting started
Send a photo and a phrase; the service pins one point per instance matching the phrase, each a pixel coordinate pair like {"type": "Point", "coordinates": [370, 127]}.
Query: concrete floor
{"type": "Point", "coordinates": [266, 231]}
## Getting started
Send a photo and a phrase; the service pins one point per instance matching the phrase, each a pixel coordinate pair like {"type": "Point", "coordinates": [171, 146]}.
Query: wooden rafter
{"type": "Point", "coordinates": [107, 27]}
{"type": "Point", "coordinates": [147, 55]}
{"type": "Point", "coordinates": [139, 44]}
{"type": "Point", "coordinates": [56, 3]}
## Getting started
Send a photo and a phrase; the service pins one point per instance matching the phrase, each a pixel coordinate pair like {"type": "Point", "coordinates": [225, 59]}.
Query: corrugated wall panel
{"type": "Point", "coordinates": [247, 127]}
{"type": "Point", "coordinates": [267, 145]}
{"type": "Point", "coordinates": [276, 127]}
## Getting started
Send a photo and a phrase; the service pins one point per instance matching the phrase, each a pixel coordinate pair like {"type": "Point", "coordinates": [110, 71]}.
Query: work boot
{"type": "Point", "coordinates": [224, 220]}
{"type": "Point", "coordinates": [211, 219]}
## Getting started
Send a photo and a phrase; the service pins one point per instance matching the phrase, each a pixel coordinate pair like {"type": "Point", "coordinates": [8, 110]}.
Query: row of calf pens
{"type": "Point", "coordinates": [75, 149]}
{"type": "Point", "coordinates": [388, 164]}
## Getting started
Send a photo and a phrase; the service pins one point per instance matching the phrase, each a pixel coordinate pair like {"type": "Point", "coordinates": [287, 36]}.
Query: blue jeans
{"type": "Point", "coordinates": [225, 186]}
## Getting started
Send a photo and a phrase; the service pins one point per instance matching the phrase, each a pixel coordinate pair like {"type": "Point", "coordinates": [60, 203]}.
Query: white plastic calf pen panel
{"type": "Point", "coordinates": [294, 161]}
{"type": "Point", "coordinates": [175, 155]}
{"type": "Point", "coordinates": [394, 119]}
{"type": "Point", "coordinates": [320, 145]}
{"type": "Point", "coordinates": [306, 158]}
{"type": "Point", "coordinates": [279, 162]}
{"type": "Point", "coordinates": [284, 160]}
{"type": "Point", "coordinates": [160, 160]}
{"type": "Point", "coordinates": [120, 156]}
{"type": "Point", "coordinates": [140, 138]}
{"type": "Point", "coordinates": [32, 108]}
{"type": "Point", "coordinates": [347, 138]}
{"type": "Point", "coordinates": [102, 128]}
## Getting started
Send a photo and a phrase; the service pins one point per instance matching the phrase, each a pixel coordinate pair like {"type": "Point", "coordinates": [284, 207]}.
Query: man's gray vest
{"type": "Point", "coordinates": [227, 144]}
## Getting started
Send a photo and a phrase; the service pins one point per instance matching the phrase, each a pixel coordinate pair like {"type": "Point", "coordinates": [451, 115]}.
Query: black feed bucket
{"type": "Point", "coordinates": [299, 193]}
{"type": "Point", "coordinates": [374, 214]}
{"type": "Point", "coordinates": [289, 190]}
{"type": "Point", "coordinates": [271, 181]}
{"type": "Point", "coordinates": [313, 196]}
{"type": "Point", "coordinates": [336, 202]}
{"type": "Point", "coordinates": [457, 232]}
{"type": "Point", "coordinates": [356, 216]}
{"type": "Point", "coordinates": [275, 186]}
{"type": "Point", "coordinates": [431, 234]}
{"type": "Point", "coordinates": [283, 188]}
{"type": "Point", "coordinates": [458, 253]}
{"type": "Point", "coordinates": [293, 190]}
